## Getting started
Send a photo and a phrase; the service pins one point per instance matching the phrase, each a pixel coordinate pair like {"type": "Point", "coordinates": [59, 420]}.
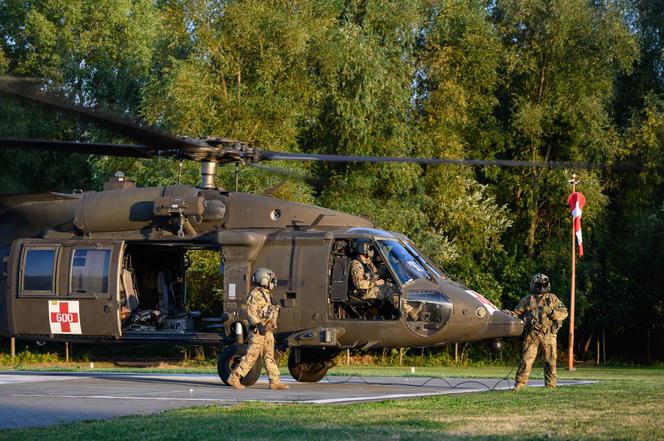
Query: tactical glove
{"type": "Point", "coordinates": [260, 328]}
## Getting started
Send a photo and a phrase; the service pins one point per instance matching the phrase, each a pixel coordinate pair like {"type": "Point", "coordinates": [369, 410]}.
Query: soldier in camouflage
{"type": "Point", "coordinates": [263, 317]}
{"type": "Point", "coordinates": [543, 314]}
{"type": "Point", "coordinates": [368, 283]}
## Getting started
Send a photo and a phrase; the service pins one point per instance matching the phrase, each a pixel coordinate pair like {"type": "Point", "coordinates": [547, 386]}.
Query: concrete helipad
{"type": "Point", "coordinates": [43, 398]}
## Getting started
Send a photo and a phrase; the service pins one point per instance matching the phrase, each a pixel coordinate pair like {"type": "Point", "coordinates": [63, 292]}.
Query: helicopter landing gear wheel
{"type": "Point", "coordinates": [308, 367]}
{"type": "Point", "coordinates": [230, 358]}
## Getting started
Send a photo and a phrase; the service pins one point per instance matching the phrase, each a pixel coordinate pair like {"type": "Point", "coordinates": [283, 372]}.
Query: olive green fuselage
{"type": "Point", "coordinates": [149, 231]}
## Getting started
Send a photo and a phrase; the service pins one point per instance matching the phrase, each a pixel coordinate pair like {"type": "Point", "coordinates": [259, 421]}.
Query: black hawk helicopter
{"type": "Point", "coordinates": [112, 265]}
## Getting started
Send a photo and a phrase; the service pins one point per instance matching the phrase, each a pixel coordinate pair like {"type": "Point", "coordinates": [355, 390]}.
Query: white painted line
{"type": "Point", "coordinates": [233, 400]}
{"type": "Point", "coordinates": [240, 398]}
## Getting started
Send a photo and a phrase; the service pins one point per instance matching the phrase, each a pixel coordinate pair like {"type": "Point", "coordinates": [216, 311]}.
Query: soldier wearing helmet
{"type": "Point", "coordinates": [263, 320]}
{"type": "Point", "coordinates": [364, 273]}
{"type": "Point", "coordinates": [543, 314]}
{"type": "Point", "coordinates": [367, 281]}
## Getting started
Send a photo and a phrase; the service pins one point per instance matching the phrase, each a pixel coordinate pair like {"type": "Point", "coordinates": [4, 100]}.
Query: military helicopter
{"type": "Point", "coordinates": [111, 266]}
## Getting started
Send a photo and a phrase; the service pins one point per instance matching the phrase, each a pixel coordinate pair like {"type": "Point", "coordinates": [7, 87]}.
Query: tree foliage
{"type": "Point", "coordinates": [567, 80]}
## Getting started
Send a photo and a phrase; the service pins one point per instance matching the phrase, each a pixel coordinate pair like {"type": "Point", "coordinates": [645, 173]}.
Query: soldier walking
{"type": "Point", "coordinates": [263, 320]}
{"type": "Point", "coordinates": [543, 314]}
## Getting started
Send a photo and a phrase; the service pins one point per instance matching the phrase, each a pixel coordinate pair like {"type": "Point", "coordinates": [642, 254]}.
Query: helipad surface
{"type": "Point", "coordinates": [43, 398]}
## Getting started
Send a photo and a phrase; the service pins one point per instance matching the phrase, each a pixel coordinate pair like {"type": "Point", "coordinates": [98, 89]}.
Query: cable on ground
{"type": "Point", "coordinates": [428, 380]}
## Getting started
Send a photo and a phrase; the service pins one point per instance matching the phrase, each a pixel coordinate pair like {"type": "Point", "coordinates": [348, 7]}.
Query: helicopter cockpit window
{"type": "Point", "coordinates": [404, 262]}
{"type": "Point", "coordinates": [432, 311]}
{"type": "Point", "coordinates": [89, 271]}
{"type": "Point", "coordinates": [39, 266]}
{"type": "Point", "coordinates": [377, 300]}
{"type": "Point", "coordinates": [424, 261]}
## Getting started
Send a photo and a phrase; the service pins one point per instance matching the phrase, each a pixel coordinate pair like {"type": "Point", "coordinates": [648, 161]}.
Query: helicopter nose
{"type": "Point", "coordinates": [500, 325]}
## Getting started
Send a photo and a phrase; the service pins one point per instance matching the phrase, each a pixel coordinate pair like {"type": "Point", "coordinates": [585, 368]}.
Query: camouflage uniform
{"type": "Point", "coordinates": [365, 276]}
{"type": "Point", "coordinates": [543, 314]}
{"type": "Point", "coordinates": [261, 310]}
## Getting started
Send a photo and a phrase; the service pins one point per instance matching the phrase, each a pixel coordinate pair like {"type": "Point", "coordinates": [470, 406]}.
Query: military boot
{"type": "Point", "coordinates": [279, 386]}
{"type": "Point", "coordinates": [234, 381]}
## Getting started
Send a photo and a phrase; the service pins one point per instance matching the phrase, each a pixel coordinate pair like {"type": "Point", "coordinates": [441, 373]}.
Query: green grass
{"type": "Point", "coordinates": [627, 403]}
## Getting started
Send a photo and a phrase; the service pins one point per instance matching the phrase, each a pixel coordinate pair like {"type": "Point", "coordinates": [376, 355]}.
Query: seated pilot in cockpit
{"type": "Point", "coordinates": [367, 280]}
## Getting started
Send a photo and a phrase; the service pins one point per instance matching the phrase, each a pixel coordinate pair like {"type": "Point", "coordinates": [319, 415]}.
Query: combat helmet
{"type": "Point", "coordinates": [363, 247]}
{"type": "Point", "coordinates": [539, 284]}
{"type": "Point", "coordinates": [265, 278]}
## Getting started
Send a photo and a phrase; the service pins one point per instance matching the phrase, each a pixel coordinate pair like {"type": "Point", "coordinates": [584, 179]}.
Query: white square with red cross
{"type": "Point", "coordinates": [64, 317]}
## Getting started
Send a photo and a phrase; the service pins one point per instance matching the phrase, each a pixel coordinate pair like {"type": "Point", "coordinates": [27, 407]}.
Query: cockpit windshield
{"type": "Point", "coordinates": [404, 262]}
{"type": "Point", "coordinates": [424, 261]}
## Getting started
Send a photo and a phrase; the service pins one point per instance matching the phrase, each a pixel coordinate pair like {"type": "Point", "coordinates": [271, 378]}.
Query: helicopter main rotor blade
{"type": "Point", "coordinates": [297, 174]}
{"type": "Point", "coordinates": [271, 155]}
{"type": "Point", "coordinates": [126, 150]}
{"type": "Point", "coordinates": [28, 89]}
{"type": "Point", "coordinates": [221, 150]}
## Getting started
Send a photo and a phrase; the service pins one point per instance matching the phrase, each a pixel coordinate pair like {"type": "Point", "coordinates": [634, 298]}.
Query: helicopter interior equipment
{"type": "Point", "coordinates": [112, 265]}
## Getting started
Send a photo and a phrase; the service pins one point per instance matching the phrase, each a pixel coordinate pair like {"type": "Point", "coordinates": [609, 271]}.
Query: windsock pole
{"type": "Point", "coordinates": [570, 363]}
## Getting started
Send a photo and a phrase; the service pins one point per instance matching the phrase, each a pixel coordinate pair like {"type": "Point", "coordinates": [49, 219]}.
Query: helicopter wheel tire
{"type": "Point", "coordinates": [230, 358]}
{"type": "Point", "coordinates": [306, 371]}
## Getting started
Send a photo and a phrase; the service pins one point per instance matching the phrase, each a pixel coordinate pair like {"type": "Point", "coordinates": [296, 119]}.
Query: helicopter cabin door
{"type": "Point", "coordinates": [65, 288]}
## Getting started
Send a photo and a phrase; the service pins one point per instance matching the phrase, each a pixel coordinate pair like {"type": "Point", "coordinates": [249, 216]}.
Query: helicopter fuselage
{"type": "Point", "coordinates": [111, 266]}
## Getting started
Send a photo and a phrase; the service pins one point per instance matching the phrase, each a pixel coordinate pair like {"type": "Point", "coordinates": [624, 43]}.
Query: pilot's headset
{"type": "Point", "coordinates": [363, 247]}
{"type": "Point", "coordinates": [539, 284]}
{"type": "Point", "coordinates": [265, 277]}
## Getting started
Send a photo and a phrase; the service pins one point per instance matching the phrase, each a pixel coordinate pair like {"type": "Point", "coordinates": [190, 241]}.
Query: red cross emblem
{"type": "Point", "coordinates": [64, 317]}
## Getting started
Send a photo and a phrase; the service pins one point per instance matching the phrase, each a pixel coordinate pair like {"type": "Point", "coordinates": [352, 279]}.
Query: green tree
{"type": "Point", "coordinates": [395, 79]}
{"type": "Point", "coordinates": [563, 58]}
{"type": "Point", "coordinates": [457, 71]}
{"type": "Point", "coordinates": [631, 303]}
{"type": "Point", "coordinates": [646, 19]}
{"type": "Point", "coordinates": [236, 70]}
{"type": "Point", "coordinates": [96, 53]}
